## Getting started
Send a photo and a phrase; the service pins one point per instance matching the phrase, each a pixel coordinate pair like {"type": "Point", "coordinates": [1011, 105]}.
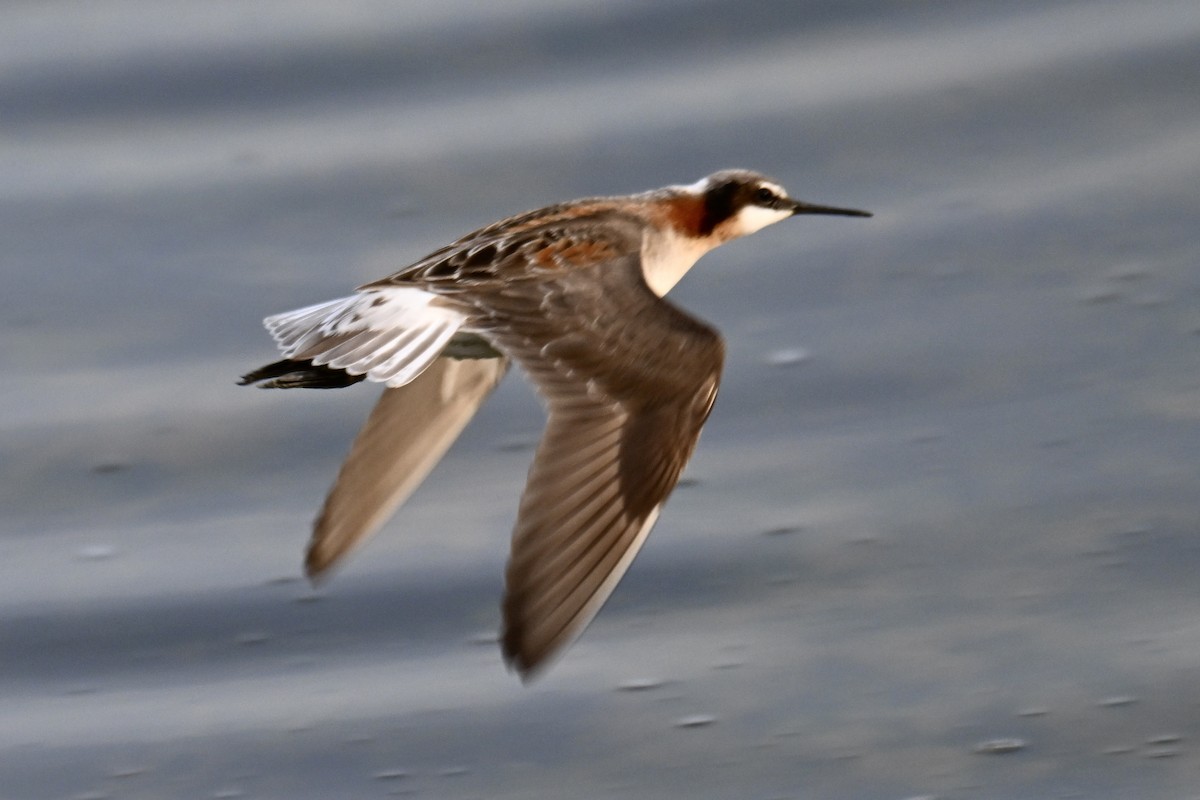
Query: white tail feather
{"type": "Point", "coordinates": [389, 335]}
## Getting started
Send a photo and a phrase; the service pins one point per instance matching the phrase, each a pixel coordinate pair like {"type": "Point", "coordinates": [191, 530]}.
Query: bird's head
{"type": "Point", "coordinates": [738, 202]}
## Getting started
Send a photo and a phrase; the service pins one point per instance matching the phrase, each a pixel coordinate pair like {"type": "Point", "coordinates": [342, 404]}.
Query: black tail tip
{"type": "Point", "coordinates": [292, 374]}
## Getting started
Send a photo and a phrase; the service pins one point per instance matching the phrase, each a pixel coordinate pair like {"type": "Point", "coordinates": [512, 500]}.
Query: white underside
{"type": "Point", "coordinates": [390, 335]}
{"type": "Point", "coordinates": [667, 257]}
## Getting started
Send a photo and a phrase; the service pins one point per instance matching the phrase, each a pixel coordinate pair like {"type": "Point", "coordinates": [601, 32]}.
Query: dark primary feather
{"type": "Point", "coordinates": [299, 374]}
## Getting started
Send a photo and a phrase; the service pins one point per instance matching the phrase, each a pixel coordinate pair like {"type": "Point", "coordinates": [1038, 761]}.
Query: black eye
{"type": "Point", "coordinates": [764, 197]}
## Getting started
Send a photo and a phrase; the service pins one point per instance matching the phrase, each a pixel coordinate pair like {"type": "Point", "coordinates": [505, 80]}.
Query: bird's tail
{"type": "Point", "coordinates": [292, 374]}
{"type": "Point", "coordinates": [387, 335]}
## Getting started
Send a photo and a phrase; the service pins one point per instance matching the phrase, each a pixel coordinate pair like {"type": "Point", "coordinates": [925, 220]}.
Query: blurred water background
{"type": "Point", "coordinates": [948, 503]}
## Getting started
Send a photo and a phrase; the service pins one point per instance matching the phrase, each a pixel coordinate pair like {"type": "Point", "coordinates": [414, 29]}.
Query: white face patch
{"type": "Point", "coordinates": [774, 187]}
{"type": "Point", "coordinates": [755, 218]}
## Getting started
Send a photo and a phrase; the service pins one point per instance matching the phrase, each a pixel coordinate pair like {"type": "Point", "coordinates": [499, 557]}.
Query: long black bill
{"type": "Point", "coordinates": [808, 208]}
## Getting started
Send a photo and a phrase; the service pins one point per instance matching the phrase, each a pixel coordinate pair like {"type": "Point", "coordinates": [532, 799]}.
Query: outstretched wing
{"type": "Point", "coordinates": [407, 433]}
{"type": "Point", "coordinates": [628, 380]}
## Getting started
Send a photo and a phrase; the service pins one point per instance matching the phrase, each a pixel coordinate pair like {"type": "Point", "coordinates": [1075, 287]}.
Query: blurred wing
{"type": "Point", "coordinates": [598, 483]}
{"type": "Point", "coordinates": [407, 433]}
{"type": "Point", "coordinates": [629, 380]}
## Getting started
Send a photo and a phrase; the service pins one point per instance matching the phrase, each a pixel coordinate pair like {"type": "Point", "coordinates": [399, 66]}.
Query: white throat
{"type": "Point", "coordinates": [667, 256]}
{"type": "Point", "coordinates": [754, 218]}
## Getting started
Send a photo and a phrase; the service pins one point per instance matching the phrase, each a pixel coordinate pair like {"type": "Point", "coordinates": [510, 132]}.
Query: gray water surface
{"type": "Point", "coordinates": [947, 503]}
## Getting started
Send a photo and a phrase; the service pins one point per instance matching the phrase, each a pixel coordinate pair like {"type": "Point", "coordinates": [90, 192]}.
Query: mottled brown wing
{"type": "Point", "coordinates": [407, 433]}
{"type": "Point", "coordinates": [629, 380]}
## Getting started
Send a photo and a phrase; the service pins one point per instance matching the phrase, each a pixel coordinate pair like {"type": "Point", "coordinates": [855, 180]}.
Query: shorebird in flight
{"type": "Point", "coordinates": [574, 294]}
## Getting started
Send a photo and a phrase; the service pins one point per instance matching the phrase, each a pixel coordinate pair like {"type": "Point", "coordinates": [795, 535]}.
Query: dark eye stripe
{"type": "Point", "coordinates": [720, 203]}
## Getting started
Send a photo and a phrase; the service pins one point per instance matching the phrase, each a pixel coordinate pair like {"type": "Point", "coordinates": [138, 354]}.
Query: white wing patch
{"type": "Point", "coordinates": [390, 335]}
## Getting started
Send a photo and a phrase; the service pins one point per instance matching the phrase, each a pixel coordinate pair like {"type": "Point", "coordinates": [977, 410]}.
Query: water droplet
{"type": "Point", "coordinates": [96, 552]}
{"type": "Point", "coordinates": [1002, 746]}
{"type": "Point", "coordinates": [251, 637]}
{"type": "Point", "coordinates": [1165, 738]}
{"type": "Point", "coordinates": [390, 774]}
{"type": "Point", "coordinates": [695, 721]}
{"type": "Point", "coordinates": [517, 444]}
{"type": "Point", "coordinates": [786, 357]}
{"type": "Point", "coordinates": [1100, 295]}
{"type": "Point", "coordinates": [109, 468]}
{"type": "Point", "coordinates": [927, 437]}
{"type": "Point", "coordinates": [1117, 750]}
{"type": "Point", "coordinates": [639, 685]}
{"type": "Point", "coordinates": [1161, 752]}
{"type": "Point", "coordinates": [1117, 701]}
{"type": "Point", "coordinates": [1033, 711]}
{"type": "Point", "coordinates": [783, 530]}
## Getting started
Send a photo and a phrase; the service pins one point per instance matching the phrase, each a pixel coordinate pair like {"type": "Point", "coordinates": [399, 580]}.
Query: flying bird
{"type": "Point", "coordinates": [573, 293]}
